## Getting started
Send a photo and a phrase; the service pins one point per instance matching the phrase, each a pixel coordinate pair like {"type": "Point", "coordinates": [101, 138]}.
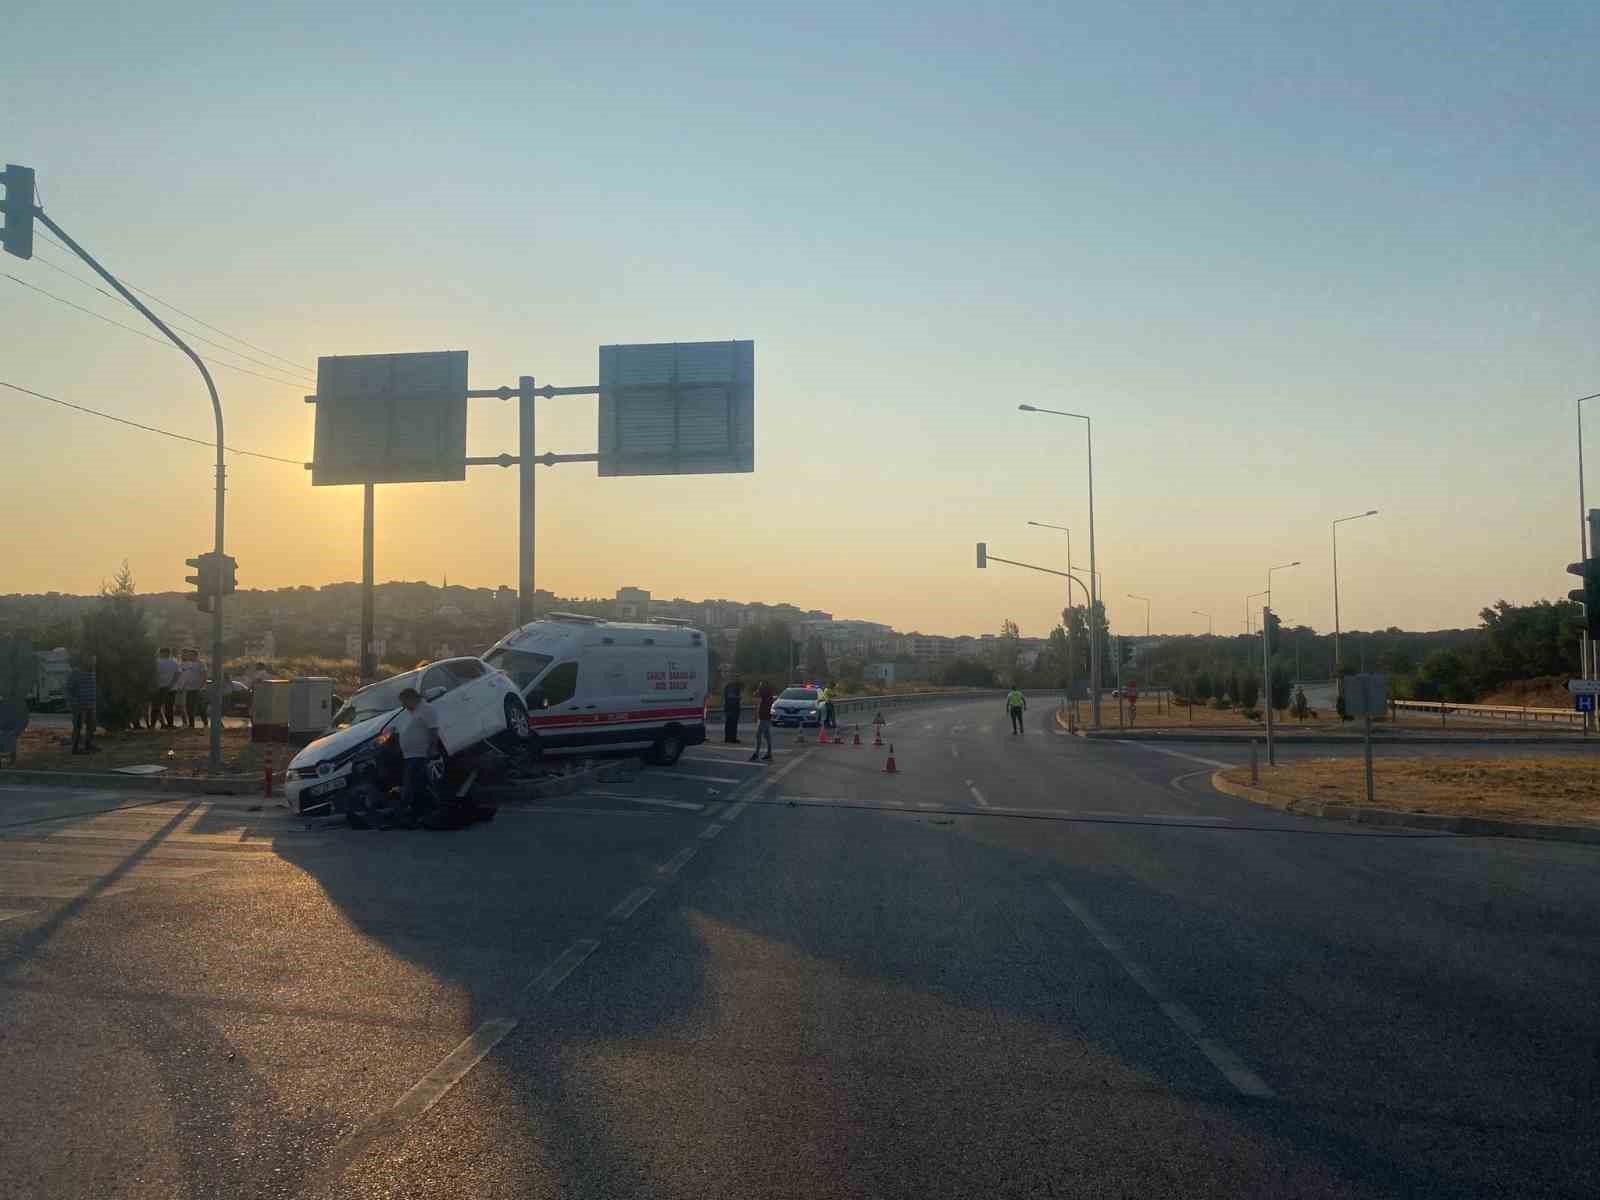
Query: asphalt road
{"type": "Point", "coordinates": [1022, 966]}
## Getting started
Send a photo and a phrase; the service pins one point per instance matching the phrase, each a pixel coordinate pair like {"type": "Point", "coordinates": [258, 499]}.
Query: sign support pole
{"type": "Point", "coordinates": [525, 529]}
{"type": "Point", "coordinates": [1266, 684]}
{"type": "Point", "coordinates": [369, 667]}
{"type": "Point", "coordinates": [1368, 740]}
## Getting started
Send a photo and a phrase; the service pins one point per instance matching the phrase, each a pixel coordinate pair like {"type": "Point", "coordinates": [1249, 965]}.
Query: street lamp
{"type": "Point", "coordinates": [1094, 575]}
{"type": "Point", "coordinates": [1248, 627]}
{"type": "Point", "coordinates": [1146, 599]}
{"type": "Point", "coordinates": [1270, 570]}
{"type": "Point", "coordinates": [1338, 661]}
{"type": "Point", "coordinates": [1071, 579]}
{"type": "Point", "coordinates": [1207, 616]}
{"type": "Point", "coordinates": [1586, 651]}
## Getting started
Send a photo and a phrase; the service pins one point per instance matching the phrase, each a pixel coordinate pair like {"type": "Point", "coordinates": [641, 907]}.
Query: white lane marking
{"type": "Point", "coordinates": [670, 868]}
{"type": "Point", "coordinates": [893, 803]}
{"type": "Point", "coordinates": [430, 1089]}
{"type": "Point", "coordinates": [1209, 762]}
{"type": "Point", "coordinates": [630, 903]}
{"type": "Point", "coordinates": [926, 727]}
{"type": "Point", "coordinates": [1230, 1065]}
{"type": "Point", "coordinates": [712, 810]}
{"type": "Point", "coordinates": [733, 813]}
{"type": "Point", "coordinates": [986, 729]}
{"type": "Point", "coordinates": [658, 801]}
{"type": "Point", "coordinates": [953, 752]}
{"type": "Point", "coordinates": [710, 831]}
{"type": "Point", "coordinates": [977, 795]}
{"type": "Point", "coordinates": [926, 804]}
{"type": "Point", "coordinates": [7, 913]}
{"type": "Point", "coordinates": [664, 774]}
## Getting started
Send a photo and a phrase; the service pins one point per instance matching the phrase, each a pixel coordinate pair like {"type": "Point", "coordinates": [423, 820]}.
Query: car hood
{"type": "Point", "coordinates": [335, 744]}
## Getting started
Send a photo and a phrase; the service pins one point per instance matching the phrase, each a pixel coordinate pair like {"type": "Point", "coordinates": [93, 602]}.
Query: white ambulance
{"type": "Point", "coordinates": [593, 685]}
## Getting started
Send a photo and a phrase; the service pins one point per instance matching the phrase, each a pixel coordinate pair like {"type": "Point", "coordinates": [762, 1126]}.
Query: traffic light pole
{"type": "Point", "coordinates": [215, 759]}
{"type": "Point", "coordinates": [1266, 681]}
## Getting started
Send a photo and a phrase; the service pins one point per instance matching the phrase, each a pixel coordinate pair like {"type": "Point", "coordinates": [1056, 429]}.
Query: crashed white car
{"type": "Point", "coordinates": [474, 702]}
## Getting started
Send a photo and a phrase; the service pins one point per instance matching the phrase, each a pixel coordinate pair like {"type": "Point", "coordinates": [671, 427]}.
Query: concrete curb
{"type": "Point", "coordinates": [214, 785]}
{"type": "Point", "coordinates": [1360, 814]}
{"type": "Point", "coordinates": [565, 785]}
{"type": "Point", "coordinates": [1333, 739]}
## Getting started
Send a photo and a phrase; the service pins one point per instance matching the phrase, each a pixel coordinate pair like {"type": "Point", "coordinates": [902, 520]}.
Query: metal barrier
{"type": "Point", "coordinates": [1512, 714]}
{"type": "Point", "coordinates": [872, 704]}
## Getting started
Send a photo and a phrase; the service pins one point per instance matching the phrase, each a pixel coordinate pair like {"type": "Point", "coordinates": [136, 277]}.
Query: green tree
{"type": "Point", "coordinates": [966, 672]}
{"type": "Point", "coordinates": [1443, 676]}
{"type": "Point", "coordinates": [115, 634]}
{"type": "Point", "coordinates": [763, 649]}
{"type": "Point", "coordinates": [1203, 686]}
{"type": "Point", "coordinates": [1282, 685]}
{"type": "Point", "coordinates": [1008, 650]}
{"type": "Point", "coordinates": [1249, 690]}
{"type": "Point", "coordinates": [816, 660]}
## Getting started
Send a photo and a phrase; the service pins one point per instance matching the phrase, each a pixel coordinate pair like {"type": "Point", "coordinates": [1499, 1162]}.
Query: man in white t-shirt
{"type": "Point", "coordinates": [418, 731]}
{"type": "Point", "coordinates": [166, 681]}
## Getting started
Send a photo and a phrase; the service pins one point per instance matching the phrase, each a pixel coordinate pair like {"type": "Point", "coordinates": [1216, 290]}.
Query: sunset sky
{"type": "Point", "coordinates": [1297, 261]}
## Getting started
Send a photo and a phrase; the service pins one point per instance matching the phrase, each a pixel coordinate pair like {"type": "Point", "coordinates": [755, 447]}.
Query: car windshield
{"type": "Point", "coordinates": [522, 665]}
{"type": "Point", "coordinates": [375, 700]}
{"type": "Point", "coordinates": [798, 694]}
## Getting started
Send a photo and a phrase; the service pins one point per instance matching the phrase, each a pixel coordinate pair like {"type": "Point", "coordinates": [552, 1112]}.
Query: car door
{"type": "Point", "coordinates": [458, 726]}
{"type": "Point", "coordinates": [480, 699]}
{"type": "Point", "coordinates": [555, 710]}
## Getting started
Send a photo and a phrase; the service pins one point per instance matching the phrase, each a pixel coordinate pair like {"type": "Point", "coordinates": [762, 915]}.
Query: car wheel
{"type": "Point", "coordinates": [668, 747]}
{"type": "Point", "coordinates": [517, 720]}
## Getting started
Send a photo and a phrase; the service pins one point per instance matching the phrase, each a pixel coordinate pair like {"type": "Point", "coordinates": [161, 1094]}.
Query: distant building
{"type": "Point", "coordinates": [352, 647]}
{"type": "Point", "coordinates": [632, 604]}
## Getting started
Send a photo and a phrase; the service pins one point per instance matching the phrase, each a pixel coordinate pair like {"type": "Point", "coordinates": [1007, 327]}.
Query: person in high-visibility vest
{"type": "Point", "coordinates": [1015, 703]}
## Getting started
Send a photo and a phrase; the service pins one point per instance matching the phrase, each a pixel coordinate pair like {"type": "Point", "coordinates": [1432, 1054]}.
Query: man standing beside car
{"type": "Point", "coordinates": [763, 720]}
{"type": "Point", "coordinates": [419, 738]}
{"type": "Point", "coordinates": [732, 698]}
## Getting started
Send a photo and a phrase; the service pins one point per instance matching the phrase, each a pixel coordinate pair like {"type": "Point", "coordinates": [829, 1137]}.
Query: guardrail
{"type": "Point", "coordinates": [871, 704]}
{"type": "Point", "coordinates": [1520, 715]}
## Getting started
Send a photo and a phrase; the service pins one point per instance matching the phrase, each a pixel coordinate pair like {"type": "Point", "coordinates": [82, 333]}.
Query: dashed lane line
{"type": "Point", "coordinates": [710, 831]}
{"type": "Point", "coordinates": [630, 903]}
{"type": "Point", "coordinates": [1232, 1068]}
{"type": "Point", "coordinates": [1208, 762]}
{"type": "Point", "coordinates": [657, 801]}
{"type": "Point", "coordinates": [670, 868]}
{"type": "Point", "coordinates": [977, 795]}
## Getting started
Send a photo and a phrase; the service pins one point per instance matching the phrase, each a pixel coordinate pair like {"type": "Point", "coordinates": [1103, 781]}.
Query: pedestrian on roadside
{"type": "Point", "coordinates": [419, 740]}
{"type": "Point", "coordinates": [81, 696]}
{"type": "Point", "coordinates": [763, 721]}
{"type": "Point", "coordinates": [732, 698]}
{"type": "Point", "coordinates": [191, 677]}
{"type": "Point", "coordinates": [1016, 702]}
{"type": "Point", "coordinates": [826, 697]}
{"type": "Point", "coordinates": [167, 669]}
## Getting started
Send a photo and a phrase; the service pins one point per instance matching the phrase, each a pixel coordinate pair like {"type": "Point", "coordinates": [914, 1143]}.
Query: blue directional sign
{"type": "Point", "coordinates": [1585, 703]}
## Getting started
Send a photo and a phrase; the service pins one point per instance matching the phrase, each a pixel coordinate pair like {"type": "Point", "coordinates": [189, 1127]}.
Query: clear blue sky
{"type": "Point", "coordinates": [1297, 261]}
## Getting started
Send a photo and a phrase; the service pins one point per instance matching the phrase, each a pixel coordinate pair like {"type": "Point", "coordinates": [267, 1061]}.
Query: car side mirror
{"type": "Point", "coordinates": [433, 693]}
{"type": "Point", "coordinates": [536, 699]}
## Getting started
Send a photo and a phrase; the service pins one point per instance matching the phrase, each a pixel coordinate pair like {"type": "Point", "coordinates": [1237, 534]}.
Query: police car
{"type": "Point", "coordinates": [797, 707]}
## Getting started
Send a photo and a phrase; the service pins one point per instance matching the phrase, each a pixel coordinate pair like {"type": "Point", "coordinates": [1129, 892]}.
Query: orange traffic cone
{"type": "Point", "coordinates": [857, 742]}
{"type": "Point", "coordinates": [822, 735]}
{"type": "Point", "coordinates": [889, 768]}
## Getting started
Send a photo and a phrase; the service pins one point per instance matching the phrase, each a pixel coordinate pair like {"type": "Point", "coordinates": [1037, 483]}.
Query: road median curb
{"type": "Point", "coordinates": [1360, 814]}
{"type": "Point", "coordinates": [209, 785]}
{"type": "Point", "coordinates": [530, 791]}
{"type": "Point", "coordinates": [1329, 739]}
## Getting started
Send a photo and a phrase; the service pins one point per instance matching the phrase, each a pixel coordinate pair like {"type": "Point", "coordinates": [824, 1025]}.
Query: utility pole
{"type": "Point", "coordinates": [14, 205]}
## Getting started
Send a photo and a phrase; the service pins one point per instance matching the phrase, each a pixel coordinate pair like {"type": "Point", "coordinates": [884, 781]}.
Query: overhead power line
{"type": "Point", "coordinates": [94, 412]}
{"type": "Point", "coordinates": [168, 304]}
{"type": "Point", "coordinates": [149, 337]}
{"type": "Point", "coordinates": [92, 286]}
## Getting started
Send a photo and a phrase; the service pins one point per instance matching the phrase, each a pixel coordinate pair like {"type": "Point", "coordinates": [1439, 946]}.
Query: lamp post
{"type": "Point", "coordinates": [1270, 570]}
{"type": "Point", "coordinates": [1248, 627]}
{"type": "Point", "coordinates": [1071, 579]}
{"type": "Point", "coordinates": [1585, 650]}
{"type": "Point", "coordinates": [1146, 599]}
{"type": "Point", "coordinates": [1338, 660]}
{"type": "Point", "coordinates": [1094, 619]}
{"type": "Point", "coordinates": [1207, 616]}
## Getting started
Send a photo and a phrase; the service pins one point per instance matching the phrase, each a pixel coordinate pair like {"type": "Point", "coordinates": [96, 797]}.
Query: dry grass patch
{"type": "Point", "coordinates": [183, 752]}
{"type": "Point", "coordinates": [1561, 791]}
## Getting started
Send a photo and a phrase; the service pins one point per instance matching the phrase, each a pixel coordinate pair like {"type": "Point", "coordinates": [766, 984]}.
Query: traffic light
{"type": "Point", "coordinates": [204, 580]}
{"type": "Point", "coordinates": [17, 207]}
{"type": "Point", "coordinates": [228, 577]}
{"type": "Point", "coordinates": [983, 554]}
{"type": "Point", "coordinates": [1589, 571]}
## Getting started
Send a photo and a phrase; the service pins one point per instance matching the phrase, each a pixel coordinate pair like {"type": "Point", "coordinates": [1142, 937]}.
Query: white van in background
{"type": "Point", "coordinates": [593, 685]}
